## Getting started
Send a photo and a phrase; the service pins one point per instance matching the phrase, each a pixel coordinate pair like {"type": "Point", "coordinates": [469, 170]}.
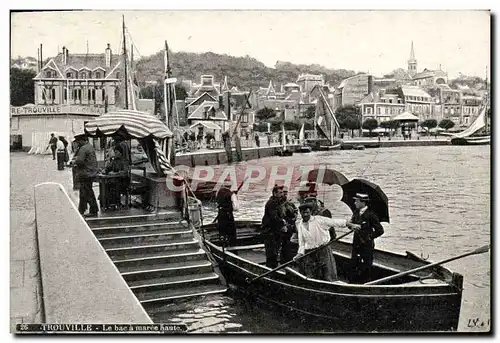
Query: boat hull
{"type": "Point", "coordinates": [343, 307]}
{"type": "Point", "coordinates": [471, 140]}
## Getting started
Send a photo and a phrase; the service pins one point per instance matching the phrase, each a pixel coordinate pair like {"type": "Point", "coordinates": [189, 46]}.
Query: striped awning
{"type": "Point", "coordinates": [135, 124]}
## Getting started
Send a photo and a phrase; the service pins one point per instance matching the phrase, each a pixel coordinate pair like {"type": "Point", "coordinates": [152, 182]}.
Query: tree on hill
{"type": "Point", "coordinates": [22, 87]}
{"type": "Point", "coordinates": [244, 72]}
{"type": "Point", "coordinates": [370, 124]}
{"type": "Point", "coordinates": [265, 114]}
{"type": "Point", "coordinates": [446, 124]}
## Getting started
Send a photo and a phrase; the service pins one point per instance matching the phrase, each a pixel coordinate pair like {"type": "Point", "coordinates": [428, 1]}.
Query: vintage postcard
{"type": "Point", "coordinates": [250, 171]}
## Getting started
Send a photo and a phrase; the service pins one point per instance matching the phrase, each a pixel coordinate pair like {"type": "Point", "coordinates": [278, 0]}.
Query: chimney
{"type": "Point", "coordinates": [41, 57]}
{"type": "Point", "coordinates": [66, 56]}
{"type": "Point", "coordinates": [38, 58]}
{"type": "Point", "coordinates": [370, 84]}
{"type": "Point", "coordinates": [108, 56]}
{"type": "Point", "coordinates": [63, 56]}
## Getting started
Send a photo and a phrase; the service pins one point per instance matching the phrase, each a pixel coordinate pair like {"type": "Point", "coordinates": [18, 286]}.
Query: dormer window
{"type": "Point", "coordinates": [82, 75]}
{"type": "Point", "coordinates": [98, 75]}
{"type": "Point", "coordinates": [69, 75]}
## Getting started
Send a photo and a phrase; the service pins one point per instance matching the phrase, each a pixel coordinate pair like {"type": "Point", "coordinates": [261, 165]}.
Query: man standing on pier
{"type": "Point", "coordinates": [86, 170]}
{"type": "Point", "coordinates": [274, 226]}
{"type": "Point", "coordinates": [367, 227]}
{"type": "Point", "coordinates": [52, 145]}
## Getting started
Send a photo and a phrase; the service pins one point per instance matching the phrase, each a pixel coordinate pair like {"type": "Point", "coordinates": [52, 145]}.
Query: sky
{"type": "Point", "coordinates": [365, 41]}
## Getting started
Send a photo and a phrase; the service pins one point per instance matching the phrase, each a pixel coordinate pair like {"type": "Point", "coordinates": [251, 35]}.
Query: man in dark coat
{"type": "Point", "coordinates": [274, 226]}
{"type": "Point", "coordinates": [53, 145]}
{"type": "Point", "coordinates": [227, 203]}
{"type": "Point", "coordinates": [367, 227]}
{"type": "Point", "coordinates": [86, 170]}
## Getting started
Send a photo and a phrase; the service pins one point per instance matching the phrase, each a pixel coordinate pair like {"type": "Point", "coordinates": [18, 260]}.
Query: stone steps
{"type": "Point", "coordinates": [158, 256]}
{"type": "Point", "coordinates": [160, 227]}
{"type": "Point", "coordinates": [142, 239]}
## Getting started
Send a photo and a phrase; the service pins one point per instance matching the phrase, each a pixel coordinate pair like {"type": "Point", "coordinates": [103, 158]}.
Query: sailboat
{"type": "Point", "coordinates": [326, 124]}
{"type": "Point", "coordinates": [470, 137]}
{"type": "Point", "coordinates": [303, 146]}
{"type": "Point", "coordinates": [284, 151]}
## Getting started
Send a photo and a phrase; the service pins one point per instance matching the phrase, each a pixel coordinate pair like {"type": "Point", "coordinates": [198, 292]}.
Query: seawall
{"type": "Point", "coordinates": [79, 282]}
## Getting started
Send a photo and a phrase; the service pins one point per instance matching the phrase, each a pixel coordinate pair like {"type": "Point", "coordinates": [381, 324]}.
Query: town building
{"type": "Point", "coordinates": [381, 106]}
{"type": "Point", "coordinates": [418, 102]}
{"type": "Point", "coordinates": [307, 82]}
{"type": "Point", "coordinates": [352, 90]}
{"type": "Point", "coordinates": [70, 89]}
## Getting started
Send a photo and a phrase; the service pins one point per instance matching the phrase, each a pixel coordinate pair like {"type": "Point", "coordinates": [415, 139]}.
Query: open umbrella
{"type": "Point", "coordinates": [379, 202]}
{"type": "Point", "coordinates": [327, 176]}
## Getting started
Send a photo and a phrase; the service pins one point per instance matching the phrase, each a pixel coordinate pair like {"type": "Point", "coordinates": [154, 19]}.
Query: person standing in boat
{"type": "Point", "coordinates": [227, 203]}
{"type": "Point", "coordinates": [288, 247]}
{"type": "Point", "coordinates": [313, 232]}
{"type": "Point", "coordinates": [274, 226]}
{"type": "Point", "coordinates": [367, 227]}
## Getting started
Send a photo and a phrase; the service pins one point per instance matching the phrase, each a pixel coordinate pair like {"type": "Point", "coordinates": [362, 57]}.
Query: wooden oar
{"type": "Point", "coordinates": [292, 261]}
{"type": "Point", "coordinates": [481, 250]}
{"type": "Point", "coordinates": [237, 190]}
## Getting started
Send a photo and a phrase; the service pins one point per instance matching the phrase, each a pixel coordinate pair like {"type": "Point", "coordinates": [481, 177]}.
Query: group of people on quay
{"type": "Point", "coordinates": [59, 148]}
{"type": "Point", "coordinates": [305, 238]}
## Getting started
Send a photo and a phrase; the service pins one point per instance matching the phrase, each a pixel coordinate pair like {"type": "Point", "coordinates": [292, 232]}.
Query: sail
{"type": "Point", "coordinates": [326, 122]}
{"type": "Point", "coordinates": [301, 134]}
{"type": "Point", "coordinates": [477, 125]}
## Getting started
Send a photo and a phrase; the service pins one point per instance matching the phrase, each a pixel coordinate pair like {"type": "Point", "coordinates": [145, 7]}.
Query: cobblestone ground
{"type": "Point", "coordinates": [26, 172]}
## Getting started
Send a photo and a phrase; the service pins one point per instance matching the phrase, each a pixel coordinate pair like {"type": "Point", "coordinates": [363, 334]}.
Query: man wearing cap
{"type": "Point", "coordinates": [274, 226]}
{"type": "Point", "coordinates": [367, 227]}
{"type": "Point", "coordinates": [313, 232]}
{"type": "Point", "coordinates": [85, 170]}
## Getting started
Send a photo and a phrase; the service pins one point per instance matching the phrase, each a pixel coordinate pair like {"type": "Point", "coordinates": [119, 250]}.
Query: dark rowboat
{"type": "Point", "coordinates": [426, 301]}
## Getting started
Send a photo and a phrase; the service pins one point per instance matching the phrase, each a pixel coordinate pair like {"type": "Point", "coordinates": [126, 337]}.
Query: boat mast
{"type": "Point", "coordinates": [165, 91]}
{"type": "Point", "coordinates": [125, 63]}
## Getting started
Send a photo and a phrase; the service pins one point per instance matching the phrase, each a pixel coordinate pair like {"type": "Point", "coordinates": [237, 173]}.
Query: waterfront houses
{"type": "Point", "coordinates": [381, 106]}
{"type": "Point", "coordinates": [70, 89]}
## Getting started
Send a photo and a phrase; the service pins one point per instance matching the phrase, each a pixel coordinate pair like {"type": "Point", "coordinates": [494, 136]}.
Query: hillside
{"type": "Point", "coordinates": [243, 72]}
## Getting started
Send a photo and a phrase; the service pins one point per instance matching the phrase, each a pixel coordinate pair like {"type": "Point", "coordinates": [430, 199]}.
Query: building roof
{"type": "Point", "coordinates": [208, 124]}
{"type": "Point", "coordinates": [294, 95]}
{"type": "Point", "coordinates": [428, 73]}
{"type": "Point", "coordinates": [310, 77]}
{"type": "Point", "coordinates": [405, 116]}
{"type": "Point", "coordinates": [345, 81]}
{"type": "Point", "coordinates": [291, 84]}
{"type": "Point", "coordinates": [198, 113]}
{"type": "Point", "coordinates": [414, 91]}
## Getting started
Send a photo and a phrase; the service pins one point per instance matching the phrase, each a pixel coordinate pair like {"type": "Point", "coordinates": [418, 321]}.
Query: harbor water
{"type": "Point", "coordinates": [439, 199]}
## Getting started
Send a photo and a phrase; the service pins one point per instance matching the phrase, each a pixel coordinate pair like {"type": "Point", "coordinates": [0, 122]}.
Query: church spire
{"type": "Point", "coordinates": [412, 62]}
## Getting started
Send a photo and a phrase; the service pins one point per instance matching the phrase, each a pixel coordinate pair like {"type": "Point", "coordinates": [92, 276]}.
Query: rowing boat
{"type": "Point", "coordinates": [429, 300]}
